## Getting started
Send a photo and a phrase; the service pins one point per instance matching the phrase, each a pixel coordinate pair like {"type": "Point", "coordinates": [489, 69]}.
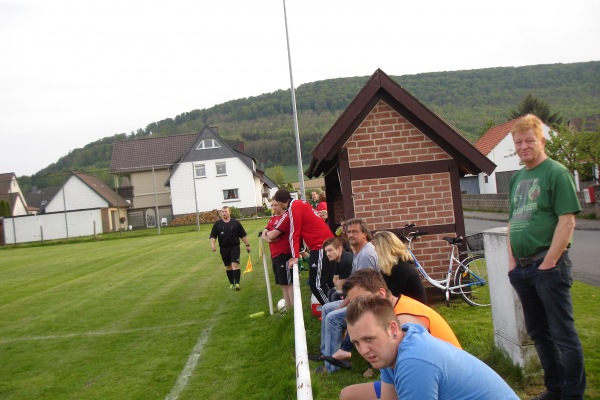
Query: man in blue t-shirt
{"type": "Point", "coordinates": [414, 364]}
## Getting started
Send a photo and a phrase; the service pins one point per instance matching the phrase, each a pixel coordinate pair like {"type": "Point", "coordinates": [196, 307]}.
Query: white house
{"type": "Point", "coordinates": [10, 191]}
{"type": "Point", "coordinates": [497, 145]}
{"type": "Point", "coordinates": [211, 175]}
{"type": "Point", "coordinates": [86, 192]}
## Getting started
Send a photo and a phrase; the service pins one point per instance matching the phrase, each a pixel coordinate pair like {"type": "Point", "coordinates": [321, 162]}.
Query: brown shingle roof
{"type": "Point", "coordinates": [108, 194]}
{"type": "Point", "coordinates": [493, 136]}
{"type": "Point", "coordinates": [5, 181]}
{"type": "Point", "coordinates": [141, 154]}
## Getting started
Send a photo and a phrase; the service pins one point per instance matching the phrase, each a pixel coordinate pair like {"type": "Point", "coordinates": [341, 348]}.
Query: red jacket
{"type": "Point", "coordinates": [281, 246]}
{"type": "Point", "coordinates": [304, 224]}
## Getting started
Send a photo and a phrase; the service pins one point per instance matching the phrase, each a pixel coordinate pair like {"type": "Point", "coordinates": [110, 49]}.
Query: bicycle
{"type": "Point", "coordinates": [469, 279]}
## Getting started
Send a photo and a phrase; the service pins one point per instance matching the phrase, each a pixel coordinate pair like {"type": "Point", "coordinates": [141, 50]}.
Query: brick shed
{"type": "Point", "coordinates": [391, 160]}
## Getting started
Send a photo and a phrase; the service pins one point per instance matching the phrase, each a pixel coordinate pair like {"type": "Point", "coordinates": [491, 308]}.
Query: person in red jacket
{"type": "Point", "coordinates": [322, 206]}
{"type": "Point", "coordinates": [280, 254]}
{"type": "Point", "coordinates": [305, 224]}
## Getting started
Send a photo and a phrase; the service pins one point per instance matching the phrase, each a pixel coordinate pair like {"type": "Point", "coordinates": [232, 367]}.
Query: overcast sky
{"type": "Point", "coordinates": [72, 72]}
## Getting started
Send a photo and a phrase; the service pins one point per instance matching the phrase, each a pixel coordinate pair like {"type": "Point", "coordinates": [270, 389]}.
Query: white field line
{"type": "Point", "coordinates": [190, 365]}
{"type": "Point", "coordinates": [96, 333]}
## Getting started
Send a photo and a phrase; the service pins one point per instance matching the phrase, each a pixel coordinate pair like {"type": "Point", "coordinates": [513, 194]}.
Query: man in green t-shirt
{"type": "Point", "coordinates": [543, 204]}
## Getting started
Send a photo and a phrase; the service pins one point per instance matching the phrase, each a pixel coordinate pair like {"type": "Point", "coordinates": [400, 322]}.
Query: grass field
{"type": "Point", "coordinates": [151, 317]}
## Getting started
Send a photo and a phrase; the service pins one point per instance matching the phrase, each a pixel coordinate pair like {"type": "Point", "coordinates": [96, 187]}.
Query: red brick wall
{"type": "Point", "coordinates": [387, 138]}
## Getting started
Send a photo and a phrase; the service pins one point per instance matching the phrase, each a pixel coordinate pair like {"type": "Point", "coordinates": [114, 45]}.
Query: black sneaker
{"type": "Point", "coordinates": [547, 395]}
{"type": "Point", "coordinates": [315, 357]}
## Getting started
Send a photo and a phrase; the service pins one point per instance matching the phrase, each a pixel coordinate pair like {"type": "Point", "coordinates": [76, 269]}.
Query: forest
{"type": "Point", "coordinates": [471, 101]}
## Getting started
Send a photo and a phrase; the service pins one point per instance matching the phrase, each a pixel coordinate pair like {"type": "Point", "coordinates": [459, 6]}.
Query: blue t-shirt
{"type": "Point", "coordinates": [429, 368]}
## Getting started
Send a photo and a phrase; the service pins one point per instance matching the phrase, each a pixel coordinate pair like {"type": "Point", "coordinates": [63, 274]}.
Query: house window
{"type": "Point", "coordinates": [208, 144]}
{"type": "Point", "coordinates": [230, 194]}
{"type": "Point", "coordinates": [221, 168]}
{"type": "Point", "coordinates": [199, 170]}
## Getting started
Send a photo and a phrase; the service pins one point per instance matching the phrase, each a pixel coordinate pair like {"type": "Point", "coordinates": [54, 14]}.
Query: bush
{"type": "Point", "coordinates": [235, 212]}
{"type": "Point", "coordinates": [264, 211]}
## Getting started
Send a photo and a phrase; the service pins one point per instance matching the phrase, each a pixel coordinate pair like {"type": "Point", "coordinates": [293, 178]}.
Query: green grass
{"type": "Point", "coordinates": [115, 319]}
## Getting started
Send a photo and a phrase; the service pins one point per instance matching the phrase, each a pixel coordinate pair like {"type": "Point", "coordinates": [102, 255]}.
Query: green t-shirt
{"type": "Point", "coordinates": [537, 198]}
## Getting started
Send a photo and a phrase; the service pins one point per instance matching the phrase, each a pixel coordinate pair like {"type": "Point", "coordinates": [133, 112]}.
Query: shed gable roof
{"type": "Point", "coordinates": [381, 87]}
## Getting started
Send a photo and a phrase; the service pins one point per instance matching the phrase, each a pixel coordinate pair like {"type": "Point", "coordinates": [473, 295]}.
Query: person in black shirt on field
{"type": "Point", "coordinates": [229, 232]}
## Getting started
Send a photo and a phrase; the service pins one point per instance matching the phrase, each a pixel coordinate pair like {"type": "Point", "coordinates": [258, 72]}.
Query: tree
{"type": "Point", "coordinates": [589, 145]}
{"type": "Point", "coordinates": [276, 173]}
{"type": "Point", "coordinates": [575, 150]}
{"type": "Point", "coordinates": [4, 208]}
{"type": "Point", "coordinates": [487, 126]}
{"type": "Point", "coordinates": [532, 105]}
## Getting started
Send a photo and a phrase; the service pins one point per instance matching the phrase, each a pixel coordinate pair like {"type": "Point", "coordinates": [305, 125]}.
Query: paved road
{"type": "Point", "coordinates": [585, 252]}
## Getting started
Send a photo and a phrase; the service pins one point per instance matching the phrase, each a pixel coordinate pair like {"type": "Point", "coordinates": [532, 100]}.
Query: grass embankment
{"type": "Point", "coordinates": [115, 319]}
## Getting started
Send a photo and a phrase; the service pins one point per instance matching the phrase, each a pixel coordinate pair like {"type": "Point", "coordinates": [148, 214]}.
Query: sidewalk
{"type": "Point", "coordinates": [581, 224]}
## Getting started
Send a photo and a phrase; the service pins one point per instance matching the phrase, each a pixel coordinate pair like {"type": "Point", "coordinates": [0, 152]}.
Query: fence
{"type": "Point", "coordinates": [303, 383]}
{"type": "Point", "coordinates": [52, 226]}
{"type": "Point", "coordinates": [499, 202]}
{"type": "Point", "coordinates": [62, 206]}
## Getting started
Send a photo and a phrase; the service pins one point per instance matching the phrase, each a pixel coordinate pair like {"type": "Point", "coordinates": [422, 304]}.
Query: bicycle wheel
{"type": "Point", "coordinates": [472, 279]}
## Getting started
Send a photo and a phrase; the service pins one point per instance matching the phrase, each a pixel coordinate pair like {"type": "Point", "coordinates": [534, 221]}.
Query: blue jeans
{"type": "Point", "coordinates": [548, 310]}
{"type": "Point", "coordinates": [333, 323]}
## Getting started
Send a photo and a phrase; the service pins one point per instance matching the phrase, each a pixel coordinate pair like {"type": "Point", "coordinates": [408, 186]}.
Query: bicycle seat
{"type": "Point", "coordinates": [455, 240]}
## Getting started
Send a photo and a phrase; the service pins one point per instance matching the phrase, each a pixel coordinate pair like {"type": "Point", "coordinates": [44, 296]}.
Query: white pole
{"type": "Point", "coordinates": [156, 201]}
{"type": "Point", "coordinates": [303, 384]}
{"type": "Point", "coordinates": [267, 281]}
{"type": "Point", "coordinates": [298, 150]}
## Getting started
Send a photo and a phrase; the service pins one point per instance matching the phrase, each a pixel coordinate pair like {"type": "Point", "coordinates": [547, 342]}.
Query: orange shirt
{"type": "Point", "coordinates": [438, 326]}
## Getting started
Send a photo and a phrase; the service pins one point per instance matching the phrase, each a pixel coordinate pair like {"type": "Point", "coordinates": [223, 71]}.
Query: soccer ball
{"type": "Point", "coordinates": [281, 305]}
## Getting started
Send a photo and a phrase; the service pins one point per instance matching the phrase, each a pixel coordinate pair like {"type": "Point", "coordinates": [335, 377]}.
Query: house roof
{"type": "Point", "coordinates": [265, 179]}
{"type": "Point", "coordinates": [104, 191]}
{"type": "Point", "coordinates": [40, 197]}
{"type": "Point", "coordinates": [192, 154]}
{"type": "Point", "coordinates": [142, 154]}
{"type": "Point", "coordinates": [5, 181]}
{"type": "Point", "coordinates": [489, 140]}
{"type": "Point", "coordinates": [592, 123]}
{"type": "Point", "coordinates": [380, 87]}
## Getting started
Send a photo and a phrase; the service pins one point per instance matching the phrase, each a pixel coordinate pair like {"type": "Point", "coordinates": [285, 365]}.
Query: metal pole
{"type": "Point", "coordinates": [196, 197]}
{"type": "Point", "coordinates": [298, 150]}
{"type": "Point", "coordinates": [65, 208]}
{"type": "Point", "coordinates": [156, 201]}
{"type": "Point", "coordinates": [118, 221]}
{"type": "Point", "coordinates": [11, 210]}
{"type": "Point", "coordinates": [261, 250]}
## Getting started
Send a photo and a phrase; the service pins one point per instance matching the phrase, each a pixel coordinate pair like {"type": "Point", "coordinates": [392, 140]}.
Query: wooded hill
{"type": "Point", "coordinates": [467, 100]}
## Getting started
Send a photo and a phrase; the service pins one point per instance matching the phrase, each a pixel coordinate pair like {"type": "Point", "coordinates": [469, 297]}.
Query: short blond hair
{"type": "Point", "coordinates": [529, 121]}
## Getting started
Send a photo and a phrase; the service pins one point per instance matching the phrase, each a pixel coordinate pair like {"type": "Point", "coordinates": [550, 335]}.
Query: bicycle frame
{"type": "Point", "coordinates": [444, 284]}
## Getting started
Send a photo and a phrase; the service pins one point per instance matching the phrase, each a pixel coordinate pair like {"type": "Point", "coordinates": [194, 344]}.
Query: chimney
{"type": "Point", "coordinates": [241, 147]}
{"type": "Point", "coordinates": [215, 128]}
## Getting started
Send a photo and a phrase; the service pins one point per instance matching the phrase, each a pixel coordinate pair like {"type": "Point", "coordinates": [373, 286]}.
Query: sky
{"type": "Point", "coordinates": [76, 71]}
